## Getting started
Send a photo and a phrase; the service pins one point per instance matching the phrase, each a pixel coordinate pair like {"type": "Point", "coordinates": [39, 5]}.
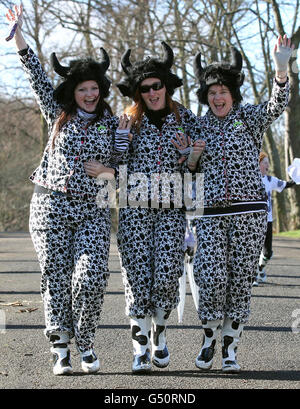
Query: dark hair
{"type": "Point", "coordinates": [69, 110]}
{"type": "Point", "coordinates": [233, 89]}
{"type": "Point", "coordinates": [221, 73]}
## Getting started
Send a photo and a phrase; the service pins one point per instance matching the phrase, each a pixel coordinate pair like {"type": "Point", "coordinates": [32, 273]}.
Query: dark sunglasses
{"type": "Point", "coordinates": [155, 86]}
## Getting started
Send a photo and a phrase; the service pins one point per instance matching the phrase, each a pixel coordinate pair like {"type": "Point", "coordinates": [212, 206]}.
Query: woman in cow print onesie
{"type": "Point", "coordinates": [230, 233]}
{"type": "Point", "coordinates": [71, 234]}
{"type": "Point", "coordinates": [151, 229]}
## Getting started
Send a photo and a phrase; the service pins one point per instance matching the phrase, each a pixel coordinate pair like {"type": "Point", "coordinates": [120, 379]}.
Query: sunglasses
{"type": "Point", "coordinates": [155, 86]}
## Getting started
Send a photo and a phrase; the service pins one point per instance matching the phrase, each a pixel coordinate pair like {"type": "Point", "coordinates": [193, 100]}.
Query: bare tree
{"type": "Point", "coordinates": [230, 23]}
{"type": "Point", "coordinates": [292, 114]}
{"type": "Point", "coordinates": [76, 28]}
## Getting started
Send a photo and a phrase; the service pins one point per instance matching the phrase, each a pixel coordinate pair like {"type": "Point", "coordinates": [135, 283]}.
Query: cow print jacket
{"type": "Point", "coordinates": [61, 168]}
{"type": "Point", "coordinates": [230, 159]}
{"type": "Point", "coordinates": [154, 176]}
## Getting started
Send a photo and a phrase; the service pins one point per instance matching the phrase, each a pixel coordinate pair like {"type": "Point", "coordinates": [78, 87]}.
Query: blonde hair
{"type": "Point", "coordinates": [262, 156]}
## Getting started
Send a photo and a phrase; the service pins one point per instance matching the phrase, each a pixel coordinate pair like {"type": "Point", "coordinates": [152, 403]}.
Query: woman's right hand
{"type": "Point", "coordinates": [125, 123]}
{"type": "Point", "coordinates": [195, 154]}
{"type": "Point", "coordinates": [16, 17]}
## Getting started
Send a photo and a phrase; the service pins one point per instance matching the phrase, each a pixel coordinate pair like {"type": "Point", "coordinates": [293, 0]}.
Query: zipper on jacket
{"type": "Point", "coordinates": [225, 165]}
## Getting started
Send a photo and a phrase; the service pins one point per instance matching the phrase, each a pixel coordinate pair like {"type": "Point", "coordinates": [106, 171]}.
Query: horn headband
{"type": "Point", "coordinates": [221, 73]}
{"type": "Point", "coordinates": [148, 68]}
{"type": "Point", "coordinates": [78, 71]}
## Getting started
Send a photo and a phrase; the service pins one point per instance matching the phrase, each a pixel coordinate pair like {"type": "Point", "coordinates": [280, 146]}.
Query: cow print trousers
{"type": "Point", "coordinates": [225, 263]}
{"type": "Point", "coordinates": [72, 240]}
{"type": "Point", "coordinates": [150, 243]}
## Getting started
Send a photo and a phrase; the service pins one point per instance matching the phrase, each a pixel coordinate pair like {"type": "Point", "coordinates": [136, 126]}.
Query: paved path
{"type": "Point", "coordinates": [269, 353]}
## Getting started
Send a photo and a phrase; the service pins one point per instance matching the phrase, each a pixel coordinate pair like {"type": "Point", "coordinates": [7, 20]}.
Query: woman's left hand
{"type": "Point", "coordinates": [125, 124]}
{"type": "Point", "coordinates": [182, 144]}
{"type": "Point", "coordinates": [282, 52]}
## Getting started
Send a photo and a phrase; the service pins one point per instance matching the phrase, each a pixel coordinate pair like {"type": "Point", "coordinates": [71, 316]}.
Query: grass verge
{"type": "Point", "coordinates": [293, 234]}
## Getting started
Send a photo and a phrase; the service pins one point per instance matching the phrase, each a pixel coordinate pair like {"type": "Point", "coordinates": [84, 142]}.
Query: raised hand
{"type": "Point", "coordinates": [15, 19]}
{"type": "Point", "coordinates": [182, 143]}
{"type": "Point", "coordinates": [281, 54]}
{"type": "Point", "coordinates": [123, 135]}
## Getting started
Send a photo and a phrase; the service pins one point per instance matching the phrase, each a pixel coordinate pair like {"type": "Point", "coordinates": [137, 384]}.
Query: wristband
{"type": "Point", "coordinates": [12, 32]}
{"type": "Point", "coordinates": [121, 140]}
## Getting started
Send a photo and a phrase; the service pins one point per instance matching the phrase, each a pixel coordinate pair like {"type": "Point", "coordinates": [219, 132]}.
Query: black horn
{"type": "Point", "coordinates": [236, 59]}
{"type": "Point", "coordinates": [58, 68]}
{"type": "Point", "coordinates": [198, 69]}
{"type": "Point", "coordinates": [125, 61]}
{"type": "Point", "coordinates": [168, 55]}
{"type": "Point", "coordinates": [104, 60]}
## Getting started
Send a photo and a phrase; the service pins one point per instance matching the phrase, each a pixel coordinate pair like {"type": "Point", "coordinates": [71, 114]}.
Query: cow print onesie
{"type": "Point", "coordinates": [151, 237]}
{"type": "Point", "coordinates": [231, 232]}
{"type": "Point", "coordinates": [71, 234]}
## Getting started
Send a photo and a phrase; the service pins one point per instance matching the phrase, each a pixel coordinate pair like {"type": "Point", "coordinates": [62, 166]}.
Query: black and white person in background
{"type": "Point", "coordinates": [271, 183]}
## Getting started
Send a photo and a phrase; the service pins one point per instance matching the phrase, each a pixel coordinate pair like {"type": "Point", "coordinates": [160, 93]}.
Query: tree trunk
{"type": "Point", "coordinates": [292, 135]}
{"type": "Point", "coordinates": [292, 118]}
{"type": "Point", "coordinates": [279, 205]}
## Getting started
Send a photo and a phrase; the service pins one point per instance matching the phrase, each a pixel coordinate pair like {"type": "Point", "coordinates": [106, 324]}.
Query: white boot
{"type": "Point", "coordinates": [140, 331]}
{"type": "Point", "coordinates": [231, 334]}
{"type": "Point", "coordinates": [160, 353]}
{"type": "Point", "coordinates": [89, 361]}
{"type": "Point", "coordinates": [212, 329]}
{"type": "Point", "coordinates": [262, 275]}
{"type": "Point", "coordinates": [61, 353]}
